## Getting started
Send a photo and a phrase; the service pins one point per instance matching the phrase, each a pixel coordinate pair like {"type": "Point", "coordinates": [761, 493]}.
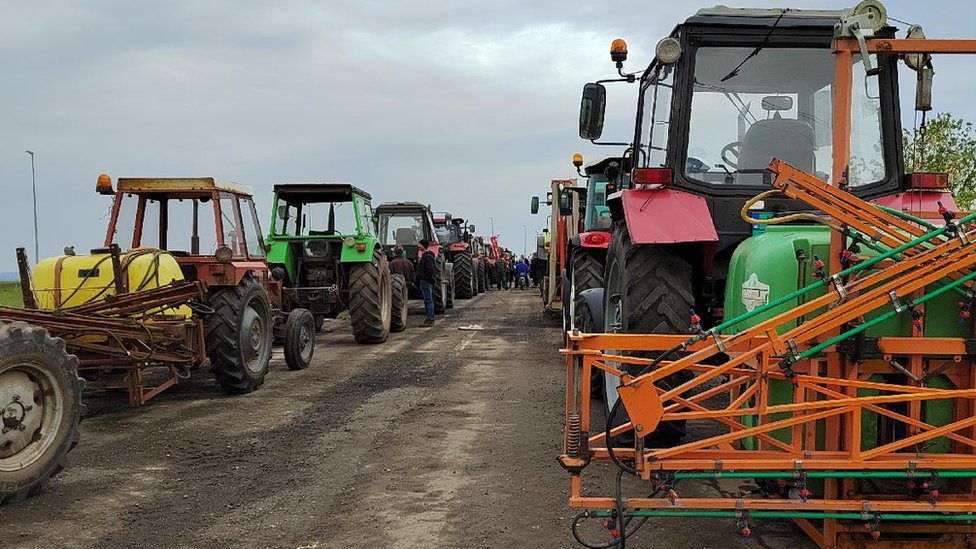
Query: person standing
{"type": "Point", "coordinates": [401, 265]}
{"type": "Point", "coordinates": [426, 278]}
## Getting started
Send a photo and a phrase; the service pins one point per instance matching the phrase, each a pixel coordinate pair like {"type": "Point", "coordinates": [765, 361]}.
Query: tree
{"type": "Point", "coordinates": [948, 145]}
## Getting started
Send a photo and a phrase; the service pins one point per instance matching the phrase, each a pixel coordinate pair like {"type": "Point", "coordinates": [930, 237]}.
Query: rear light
{"type": "Point", "coordinates": [928, 180]}
{"type": "Point", "coordinates": [595, 238]}
{"type": "Point", "coordinates": [361, 247]}
{"type": "Point", "coordinates": [643, 177]}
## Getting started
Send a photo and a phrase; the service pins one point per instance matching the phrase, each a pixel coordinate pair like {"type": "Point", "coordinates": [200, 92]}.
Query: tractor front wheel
{"type": "Point", "coordinates": [398, 320]}
{"type": "Point", "coordinates": [587, 274]}
{"type": "Point", "coordinates": [299, 339]}
{"type": "Point", "coordinates": [451, 286]}
{"type": "Point", "coordinates": [239, 335]}
{"type": "Point", "coordinates": [441, 289]}
{"type": "Point", "coordinates": [370, 299]}
{"type": "Point", "coordinates": [40, 404]}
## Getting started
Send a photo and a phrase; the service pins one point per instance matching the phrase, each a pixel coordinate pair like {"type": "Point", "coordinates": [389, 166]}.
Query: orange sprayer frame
{"type": "Point", "coordinates": [830, 391]}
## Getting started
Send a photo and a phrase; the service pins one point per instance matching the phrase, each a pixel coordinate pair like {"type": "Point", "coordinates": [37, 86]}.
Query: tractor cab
{"type": "Point", "coordinates": [452, 232]}
{"type": "Point", "coordinates": [731, 89]}
{"type": "Point", "coordinates": [211, 227]}
{"type": "Point", "coordinates": [405, 224]}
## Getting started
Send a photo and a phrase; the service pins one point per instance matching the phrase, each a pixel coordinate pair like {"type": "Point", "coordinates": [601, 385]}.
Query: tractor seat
{"type": "Point", "coordinates": [789, 140]}
{"type": "Point", "coordinates": [405, 235]}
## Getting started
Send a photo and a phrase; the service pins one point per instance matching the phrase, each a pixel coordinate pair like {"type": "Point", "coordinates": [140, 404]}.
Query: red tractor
{"type": "Point", "coordinates": [455, 238]}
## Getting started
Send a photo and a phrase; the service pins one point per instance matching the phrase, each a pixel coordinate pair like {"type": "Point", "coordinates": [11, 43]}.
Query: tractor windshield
{"type": "Point", "coordinates": [597, 213]}
{"type": "Point", "coordinates": [778, 105]}
{"type": "Point", "coordinates": [400, 228]}
{"type": "Point", "coordinates": [300, 218]}
{"type": "Point", "coordinates": [447, 233]}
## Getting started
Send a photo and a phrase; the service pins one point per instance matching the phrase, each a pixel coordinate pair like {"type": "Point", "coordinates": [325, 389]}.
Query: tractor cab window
{"type": "Point", "coordinates": [656, 109]}
{"type": "Point", "coordinates": [444, 235]}
{"type": "Point", "coordinates": [778, 104]}
{"type": "Point", "coordinates": [286, 219]}
{"type": "Point", "coordinates": [123, 230]}
{"type": "Point", "coordinates": [151, 229]}
{"type": "Point", "coordinates": [190, 225]}
{"type": "Point", "coordinates": [233, 235]}
{"type": "Point", "coordinates": [252, 229]}
{"type": "Point", "coordinates": [402, 229]}
{"type": "Point", "coordinates": [597, 213]}
{"type": "Point", "coordinates": [328, 219]}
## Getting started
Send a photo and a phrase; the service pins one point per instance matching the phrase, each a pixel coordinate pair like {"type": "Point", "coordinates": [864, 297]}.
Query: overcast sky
{"type": "Point", "coordinates": [471, 107]}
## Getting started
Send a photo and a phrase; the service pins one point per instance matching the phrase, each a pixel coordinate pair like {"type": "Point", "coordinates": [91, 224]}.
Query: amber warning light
{"type": "Point", "coordinates": [577, 160]}
{"type": "Point", "coordinates": [104, 184]}
{"type": "Point", "coordinates": [618, 51]}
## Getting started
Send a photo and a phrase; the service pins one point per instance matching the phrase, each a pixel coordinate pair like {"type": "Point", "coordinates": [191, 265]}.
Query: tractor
{"type": "Point", "coordinates": [480, 252]}
{"type": "Point", "coordinates": [782, 303]}
{"type": "Point", "coordinates": [405, 224]}
{"type": "Point", "coordinates": [567, 202]}
{"type": "Point", "coordinates": [324, 252]}
{"type": "Point", "coordinates": [586, 252]}
{"type": "Point", "coordinates": [192, 290]}
{"type": "Point", "coordinates": [454, 237]}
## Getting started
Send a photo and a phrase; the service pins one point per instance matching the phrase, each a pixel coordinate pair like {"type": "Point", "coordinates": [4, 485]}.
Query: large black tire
{"type": "Point", "coordinates": [319, 323]}
{"type": "Point", "coordinates": [441, 290]}
{"type": "Point", "coordinates": [587, 273]}
{"type": "Point", "coordinates": [648, 291]}
{"type": "Point", "coordinates": [371, 299]}
{"type": "Point", "coordinates": [451, 286]}
{"type": "Point", "coordinates": [299, 339]}
{"type": "Point", "coordinates": [482, 276]}
{"type": "Point", "coordinates": [40, 402]}
{"type": "Point", "coordinates": [464, 275]}
{"type": "Point", "coordinates": [239, 335]}
{"type": "Point", "coordinates": [398, 316]}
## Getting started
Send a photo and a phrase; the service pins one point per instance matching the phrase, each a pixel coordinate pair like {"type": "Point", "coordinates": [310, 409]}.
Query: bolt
{"type": "Point", "coordinates": [639, 428]}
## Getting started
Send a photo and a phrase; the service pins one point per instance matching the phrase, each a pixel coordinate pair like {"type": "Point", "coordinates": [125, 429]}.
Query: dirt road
{"type": "Point", "coordinates": [438, 438]}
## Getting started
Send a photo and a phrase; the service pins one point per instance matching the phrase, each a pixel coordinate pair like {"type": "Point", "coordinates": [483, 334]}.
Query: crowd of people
{"type": "Point", "coordinates": [517, 272]}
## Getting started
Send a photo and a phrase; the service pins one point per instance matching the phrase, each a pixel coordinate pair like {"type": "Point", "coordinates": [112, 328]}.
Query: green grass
{"type": "Point", "coordinates": [10, 295]}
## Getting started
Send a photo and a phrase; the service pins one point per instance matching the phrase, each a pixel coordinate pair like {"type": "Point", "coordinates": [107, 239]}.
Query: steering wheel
{"type": "Point", "coordinates": [733, 148]}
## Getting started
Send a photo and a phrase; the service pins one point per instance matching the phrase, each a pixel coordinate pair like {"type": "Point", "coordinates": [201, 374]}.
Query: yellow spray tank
{"type": "Point", "coordinates": [71, 280]}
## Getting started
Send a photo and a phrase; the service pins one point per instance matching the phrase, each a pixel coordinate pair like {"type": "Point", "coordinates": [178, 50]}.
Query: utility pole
{"type": "Point", "coordinates": [37, 256]}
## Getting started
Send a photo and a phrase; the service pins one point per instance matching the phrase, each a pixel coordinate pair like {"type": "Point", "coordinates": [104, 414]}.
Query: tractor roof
{"type": "Point", "coordinates": [179, 184]}
{"type": "Point", "coordinates": [767, 17]}
{"type": "Point", "coordinates": [601, 164]}
{"type": "Point", "coordinates": [319, 192]}
{"type": "Point", "coordinates": [405, 206]}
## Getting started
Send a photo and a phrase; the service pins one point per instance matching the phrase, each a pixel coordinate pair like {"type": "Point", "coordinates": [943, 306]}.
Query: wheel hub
{"type": "Point", "coordinates": [22, 413]}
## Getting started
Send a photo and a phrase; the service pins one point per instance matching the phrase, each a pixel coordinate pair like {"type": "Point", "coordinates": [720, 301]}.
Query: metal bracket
{"type": "Point", "coordinates": [962, 237]}
{"type": "Point", "coordinates": [718, 341]}
{"type": "Point", "coordinates": [718, 468]}
{"type": "Point", "coordinates": [839, 286]}
{"type": "Point", "coordinates": [794, 350]}
{"type": "Point", "coordinates": [899, 308]}
{"type": "Point", "coordinates": [866, 510]}
{"type": "Point", "coordinates": [858, 27]}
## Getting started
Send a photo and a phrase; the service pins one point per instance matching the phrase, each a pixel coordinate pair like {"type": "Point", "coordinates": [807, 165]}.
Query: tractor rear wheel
{"type": "Point", "coordinates": [299, 339]}
{"type": "Point", "coordinates": [370, 299]}
{"type": "Point", "coordinates": [239, 335]}
{"type": "Point", "coordinates": [648, 291]}
{"type": "Point", "coordinates": [319, 323]}
{"type": "Point", "coordinates": [482, 286]}
{"type": "Point", "coordinates": [398, 318]}
{"type": "Point", "coordinates": [464, 275]}
{"type": "Point", "coordinates": [40, 395]}
{"type": "Point", "coordinates": [587, 273]}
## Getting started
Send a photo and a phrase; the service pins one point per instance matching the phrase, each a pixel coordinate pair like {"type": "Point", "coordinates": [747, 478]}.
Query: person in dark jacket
{"type": "Point", "coordinates": [426, 278]}
{"type": "Point", "coordinates": [402, 266]}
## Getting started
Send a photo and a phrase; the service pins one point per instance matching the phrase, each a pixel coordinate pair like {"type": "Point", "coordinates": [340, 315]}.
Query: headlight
{"type": "Point", "coordinates": [350, 241]}
{"type": "Point", "coordinates": [224, 254]}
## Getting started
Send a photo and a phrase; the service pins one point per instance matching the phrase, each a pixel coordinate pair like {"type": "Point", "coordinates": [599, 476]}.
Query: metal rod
{"type": "Point", "coordinates": [966, 517]}
{"type": "Point", "coordinates": [37, 254]}
{"type": "Point", "coordinates": [966, 473]}
{"type": "Point", "coordinates": [25, 280]}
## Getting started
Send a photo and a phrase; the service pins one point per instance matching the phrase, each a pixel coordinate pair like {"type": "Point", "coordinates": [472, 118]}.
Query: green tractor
{"type": "Point", "coordinates": [324, 250]}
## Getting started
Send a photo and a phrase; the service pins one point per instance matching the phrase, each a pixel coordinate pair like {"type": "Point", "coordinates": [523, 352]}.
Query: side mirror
{"type": "Point", "coordinates": [592, 108]}
{"type": "Point", "coordinates": [535, 205]}
{"type": "Point", "coordinates": [471, 228]}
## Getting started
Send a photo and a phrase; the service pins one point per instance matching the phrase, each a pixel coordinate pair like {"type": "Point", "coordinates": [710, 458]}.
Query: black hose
{"type": "Point", "coordinates": [624, 533]}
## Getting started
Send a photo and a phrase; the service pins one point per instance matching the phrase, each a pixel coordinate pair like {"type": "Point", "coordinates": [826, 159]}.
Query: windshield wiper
{"type": "Point", "coordinates": [735, 72]}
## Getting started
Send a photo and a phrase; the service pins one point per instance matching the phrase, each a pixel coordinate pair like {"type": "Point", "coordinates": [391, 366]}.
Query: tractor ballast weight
{"type": "Point", "coordinates": [778, 320]}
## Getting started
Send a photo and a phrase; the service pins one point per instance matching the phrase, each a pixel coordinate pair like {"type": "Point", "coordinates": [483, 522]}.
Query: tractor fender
{"type": "Point", "coordinates": [593, 299]}
{"type": "Point", "coordinates": [351, 254]}
{"type": "Point", "coordinates": [664, 216]}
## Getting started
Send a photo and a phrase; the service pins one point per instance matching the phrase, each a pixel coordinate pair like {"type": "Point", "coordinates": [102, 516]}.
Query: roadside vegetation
{"type": "Point", "coordinates": [10, 294]}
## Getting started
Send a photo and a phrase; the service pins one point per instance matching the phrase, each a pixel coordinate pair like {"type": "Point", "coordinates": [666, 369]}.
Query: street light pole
{"type": "Point", "coordinates": [492, 219]}
{"type": "Point", "coordinates": [34, 191]}
{"type": "Point", "coordinates": [525, 246]}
